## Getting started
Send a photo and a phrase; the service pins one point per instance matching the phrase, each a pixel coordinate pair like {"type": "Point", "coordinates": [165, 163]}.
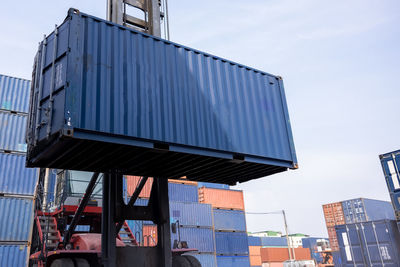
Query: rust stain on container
{"type": "Point", "coordinates": [149, 235]}
{"type": "Point", "coordinates": [282, 254]}
{"type": "Point", "coordinates": [222, 198]}
{"type": "Point", "coordinates": [132, 182]}
{"type": "Point", "coordinates": [333, 238]}
{"type": "Point", "coordinates": [333, 214]}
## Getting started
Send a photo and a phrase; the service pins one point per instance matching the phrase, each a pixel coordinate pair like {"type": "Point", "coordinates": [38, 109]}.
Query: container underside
{"type": "Point", "coordinates": [104, 156]}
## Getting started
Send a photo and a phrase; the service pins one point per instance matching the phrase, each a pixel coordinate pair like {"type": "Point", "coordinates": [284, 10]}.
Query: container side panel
{"type": "Point", "coordinates": [12, 131]}
{"type": "Point", "coordinates": [201, 239]}
{"type": "Point", "coordinates": [213, 185]}
{"type": "Point", "coordinates": [378, 210]}
{"type": "Point", "coordinates": [273, 241]}
{"type": "Point", "coordinates": [231, 243]}
{"type": "Point", "coordinates": [14, 177]}
{"type": "Point", "coordinates": [14, 94]}
{"type": "Point", "coordinates": [208, 260]}
{"type": "Point", "coordinates": [183, 192]}
{"type": "Point", "coordinates": [229, 220]}
{"type": "Point", "coordinates": [13, 255]}
{"type": "Point", "coordinates": [191, 214]}
{"type": "Point", "coordinates": [16, 219]}
{"type": "Point", "coordinates": [233, 261]}
{"type": "Point", "coordinates": [222, 198]}
{"type": "Point", "coordinates": [254, 240]}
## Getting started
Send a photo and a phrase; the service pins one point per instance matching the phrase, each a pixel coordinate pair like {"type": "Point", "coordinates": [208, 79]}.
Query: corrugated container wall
{"type": "Point", "coordinates": [273, 241]}
{"type": "Point", "coordinates": [182, 192]}
{"type": "Point", "coordinates": [231, 243]}
{"type": "Point", "coordinates": [14, 93]}
{"type": "Point", "coordinates": [254, 240]}
{"type": "Point", "coordinates": [363, 210]}
{"type": "Point", "coordinates": [132, 182]}
{"type": "Point", "coordinates": [191, 214]}
{"type": "Point", "coordinates": [221, 198]}
{"type": "Point", "coordinates": [333, 238]}
{"type": "Point", "coordinates": [206, 260]}
{"type": "Point", "coordinates": [233, 261]}
{"type": "Point", "coordinates": [213, 185]}
{"type": "Point", "coordinates": [14, 177]}
{"type": "Point", "coordinates": [16, 219]}
{"type": "Point", "coordinates": [198, 108]}
{"type": "Point", "coordinates": [255, 255]}
{"type": "Point", "coordinates": [282, 254]}
{"type": "Point", "coordinates": [229, 220]}
{"type": "Point", "coordinates": [12, 255]}
{"type": "Point", "coordinates": [137, 229]}
{"type": "Point", "coordinates": [201, 239]}
{"type": "Point", "coordinates": [12, 131]}
{"type": "Point", "coordinates": [150, 235]}
{"type": "Point", "coordinates": [333, 214]}
{"type": "Point", "coordinates": [374, 243]}
{"type": "Point", "coordinates": [182, 181]}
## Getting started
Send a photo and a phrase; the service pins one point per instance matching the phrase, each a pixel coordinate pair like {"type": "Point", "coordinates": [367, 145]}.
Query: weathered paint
{"type": "Point", "coordinates": [14, 93]}
{"type": "Point", "coordinates": [213, 119]}
{"type": "Point", "coordinates": [364, 209]}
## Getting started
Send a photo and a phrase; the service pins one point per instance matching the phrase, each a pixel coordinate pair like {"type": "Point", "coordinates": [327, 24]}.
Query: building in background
{"type": "Point", "coordinates": [17, 183]}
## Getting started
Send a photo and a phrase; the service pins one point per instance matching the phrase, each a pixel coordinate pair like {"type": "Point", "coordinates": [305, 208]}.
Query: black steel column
{"type": "Point", "coordinates": [163, 222]}
{"type": "Point", "coordinates": [108, 234]}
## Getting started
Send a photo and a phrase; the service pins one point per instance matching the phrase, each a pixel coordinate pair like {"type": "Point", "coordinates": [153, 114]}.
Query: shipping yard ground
{"type": "Point", "coordinates": [340, 67]}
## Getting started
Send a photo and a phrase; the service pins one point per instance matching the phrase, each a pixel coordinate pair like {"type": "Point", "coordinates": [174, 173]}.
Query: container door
{"type": "Point", "coordinates": [391, 169]}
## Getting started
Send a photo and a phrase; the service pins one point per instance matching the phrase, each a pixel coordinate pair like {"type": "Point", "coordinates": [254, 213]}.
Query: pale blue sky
{"type": "Point", "coordinates": [340, 61]}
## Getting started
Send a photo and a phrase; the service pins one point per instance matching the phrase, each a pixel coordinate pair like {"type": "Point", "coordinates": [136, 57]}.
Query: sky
{"type": "Point", "coordinates": [340, 62]}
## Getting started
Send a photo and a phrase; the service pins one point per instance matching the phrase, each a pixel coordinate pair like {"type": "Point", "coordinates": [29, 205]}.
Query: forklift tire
{"type": "Point", "coordinates": [63, 262]}
{"type": "Point", "coordinates": [193, 261]}
{"type": "Point", "coordinates": [180, 261]}
{"type": "Point", "coordinates": [79, 262]}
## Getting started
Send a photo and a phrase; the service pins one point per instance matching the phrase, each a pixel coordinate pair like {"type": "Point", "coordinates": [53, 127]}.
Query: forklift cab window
{"type": "Point", "coordinates": [78, 182]}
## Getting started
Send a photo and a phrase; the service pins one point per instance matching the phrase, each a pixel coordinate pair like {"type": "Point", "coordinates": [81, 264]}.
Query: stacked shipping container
{"type": "Point", "coordinates": [390, 166]}
{"type": "Point", "coordinates": [359, 210]}
{"type": "Point", "coordinates": [17, 183]}
{"type": "Point", "coordinates": [231, 242]}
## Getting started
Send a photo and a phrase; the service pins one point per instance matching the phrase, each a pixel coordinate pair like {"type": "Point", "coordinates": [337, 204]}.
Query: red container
{"type": "Point", "coordinates": [255, 260]}
{"type": "Point", "coordinates": [333, 214]}
{"type": "Point", "coordinates": [132, 182]}
{"type": "Point", "coordinates": [149, 235]}
{"type": "Point", "coordinates": [222, 198]}
{"type": "Point", "coordinates": [333, 238]}
{"type": "Point", "coordinates": [255, 250]}
{"type": "Point", "coordinates": [282, 254]}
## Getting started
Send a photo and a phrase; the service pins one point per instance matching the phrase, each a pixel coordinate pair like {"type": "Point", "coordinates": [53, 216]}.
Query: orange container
{"type": "Point", "coordinates": [333, 238]}
{"type": "Point", "coordinates": [222, 198]}
{"type": "Point", "coordinates": [282, 254]}
{"type": "Point", "coordinates": [272, 264]}
{"type": "Point", "coordinates": [255, 250]}
{"type": "Point", "coordinates": [255, 260]}
{"type": "Point", "coordinates": [149, 235]}
{"type": "Point", "coordinates": [132, 182]}
{"type": "Point", "coordinates": [333, 214]}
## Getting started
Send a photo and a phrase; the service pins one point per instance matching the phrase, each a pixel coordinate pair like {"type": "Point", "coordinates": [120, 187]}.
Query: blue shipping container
{"type": "Point", "coordinates": [229, 220]}
{"type": "Point", "coordinates": [201, 239]}
{"type": "Point", "coordinates": [231, 243]}
{"type": "Point", "coordinates": [254, 240]}
{"type": "Point", "coordinates": [391, 169]}
{"type": "Point", "coordinates": [369, 244]}
{"type": "Point", "coordinates": [267, 241]}
{"type": "Point", "coordinates": [206, 260]}
{"type": "Point", "coordinates": [313, 243]}
{"type": "Point", "coordinates": [212, 185]}
{"type": "Point", "coordinates": [12, 131]}
{"type": "Point", "coordinates": [14, 177]}
{"type": "Point", "coordinates": [16, 219]}
{"type": "Point", "coordinates": [183, 192]}
{"type": "Point", "coordinates": [395, 197]}
{"type": "Point", "coordinates": [201, 111]}
{"type": "Point", "coordinates": [14, 93]}
{"type": "Point", "coordinates": [13, 255]}
{"type": "Point", "coordinates": [233, 261]}
{"type": "Point", "coordinates": [191, 214]}
{"type": "Point", "coordinates": [336, 258]}
{"type": "Point", "coordinates": [364, 209]}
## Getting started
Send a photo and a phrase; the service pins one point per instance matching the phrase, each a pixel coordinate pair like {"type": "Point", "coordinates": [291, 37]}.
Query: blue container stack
{"type": "Point", "coordinates": [17, 183]}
